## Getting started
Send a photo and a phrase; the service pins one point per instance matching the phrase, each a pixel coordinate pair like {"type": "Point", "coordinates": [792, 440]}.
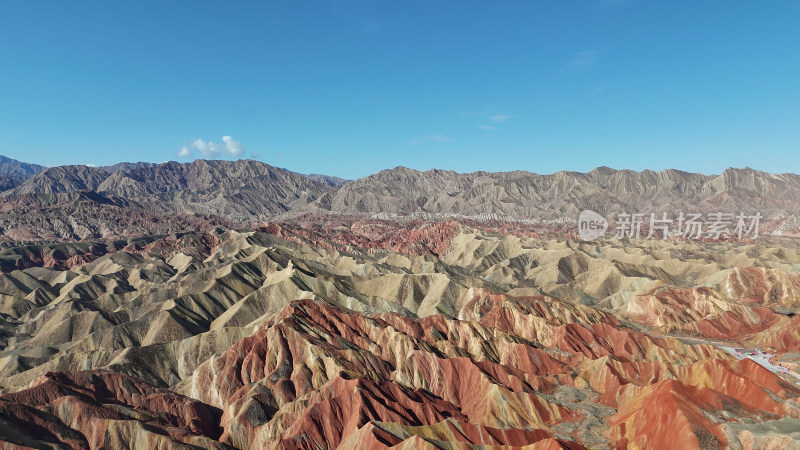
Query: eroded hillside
{"type": "Point", "coordinates": [374, 334]}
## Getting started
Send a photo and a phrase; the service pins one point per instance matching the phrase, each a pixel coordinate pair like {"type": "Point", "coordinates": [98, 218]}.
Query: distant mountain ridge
{"type": "Point", "coordinates": [240, 190]}
{"type": "Point", "coordinates": [126, 166]}
{"type": "Point", "coordinates": [326, 179]}
{"type": "Point", "coordinates": [60, 179]}
{"type": "Point", "coordinates": [245, 191]}
{"type": "Point", "coordinates": [526, 195]}
{"type": "Point", "coordinates": [13, 172]}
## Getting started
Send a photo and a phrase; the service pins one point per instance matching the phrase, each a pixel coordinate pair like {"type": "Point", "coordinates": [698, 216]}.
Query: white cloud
{"type": "Point", "coordinates": [228, 147]}
{"type": "Point", "coordinates": [494, 121]}
{"type": "Point", "coordinates": [499, 118]}
{"type": "Point", "coordinates": [234, 147]}
{"type": "Point", "coordinates": [439, 138]}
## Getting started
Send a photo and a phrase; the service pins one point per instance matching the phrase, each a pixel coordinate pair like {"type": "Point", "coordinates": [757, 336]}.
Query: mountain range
{"type": "Point", "coordinates": [245, 191]}
{"type": "Point", "coordinates": [371, 334]}
{"type": "Point", "coordinates": [236, 305]}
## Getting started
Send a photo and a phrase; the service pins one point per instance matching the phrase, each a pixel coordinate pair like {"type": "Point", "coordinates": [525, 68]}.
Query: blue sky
{"type": "Point", "coordinates": [350, 87]}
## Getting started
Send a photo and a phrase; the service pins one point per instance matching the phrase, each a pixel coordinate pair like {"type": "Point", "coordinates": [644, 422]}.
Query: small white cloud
{"type": "Point", "coordinates": [228, 147]}
{"type": "Point", "coordinates": [486, 127]}
{"type": "Point", "coordinates": [232, 146]}
{"type": "Point", "coordinates": [439, 138]}
{"type": "Point", "coordinates": [499, 118]}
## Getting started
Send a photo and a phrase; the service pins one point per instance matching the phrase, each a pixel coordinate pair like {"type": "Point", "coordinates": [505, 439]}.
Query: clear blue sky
{"type": "Point", "coordinates": [351, 87]}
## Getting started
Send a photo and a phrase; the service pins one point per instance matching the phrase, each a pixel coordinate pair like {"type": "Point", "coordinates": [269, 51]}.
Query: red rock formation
{"type": "Point", "coordinates": [783, 337]}
{"type": "Point", "coordinates": [413, 238]}
{"type": "Point", "coordinates": [702, 312]}
{"type": "Point", "coordinates": [762, 286]}
{"type": "Point", "coordinates": [667, 415]}
{"type": "Point", "coordinates": [96, 408]}
{"type": "Point", "coordinates": [317, 376]}
{"type": "Point", "coordinates": [65, 256]}
{"type": "Point", "coordinates": [485, 368]}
